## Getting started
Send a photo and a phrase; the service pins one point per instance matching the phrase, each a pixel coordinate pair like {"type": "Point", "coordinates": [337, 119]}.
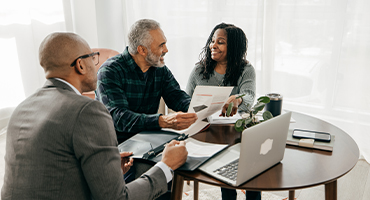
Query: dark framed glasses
{"type": "Point", "coordinates": [94, 55]}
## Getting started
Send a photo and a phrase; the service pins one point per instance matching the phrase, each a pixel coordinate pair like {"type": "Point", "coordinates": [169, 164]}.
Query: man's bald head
{"type": "Point", "coordinates": [58, 50]}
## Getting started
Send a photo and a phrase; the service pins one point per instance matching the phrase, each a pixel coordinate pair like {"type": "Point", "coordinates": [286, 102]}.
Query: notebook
{"type": "Point", "coordinates": [262, 146]}
{"type": "Point", "coordinates": [145, 143]}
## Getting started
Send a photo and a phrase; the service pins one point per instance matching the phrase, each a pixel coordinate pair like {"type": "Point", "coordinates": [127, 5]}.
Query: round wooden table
{"type": "Point", "coordinates": [300, 168]}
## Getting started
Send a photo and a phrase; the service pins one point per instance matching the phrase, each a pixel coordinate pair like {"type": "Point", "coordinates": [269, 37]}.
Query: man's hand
{"type": "Point", "coordinates": [126, 163]}
{"type": "Point", "coordinates": [236, 103]}
{"type": "Point", "coordinates": [177, 121]}
{"type": "Point", "coordinates": [174, 154]}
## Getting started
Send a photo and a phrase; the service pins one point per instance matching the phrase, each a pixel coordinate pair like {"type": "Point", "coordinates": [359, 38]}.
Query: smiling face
{"type": "Point", "coordinates": [157, 49]}
{"type": "Point", "coordinates": [218, 46]}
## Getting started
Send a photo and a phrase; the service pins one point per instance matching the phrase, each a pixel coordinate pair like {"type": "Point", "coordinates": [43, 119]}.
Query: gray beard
{"type": "Point", "coordinates": [153, 60]}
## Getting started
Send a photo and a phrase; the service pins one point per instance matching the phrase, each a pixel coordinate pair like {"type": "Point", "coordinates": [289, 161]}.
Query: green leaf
{"type": "Point", "coordinates": [263, 99]}
{"type": "Point", "coordinates": [239, 129]}
{"type": "Point", "coordinates": [229, 109]}
{"type": "Point", "coordinates": [267, 115]}
{"type": "Point", "coordinates": [248, 121]}
{"type": "Point", "coordinates": [258, 107]}
{"type": "Point", "coordinates": [239, 123]}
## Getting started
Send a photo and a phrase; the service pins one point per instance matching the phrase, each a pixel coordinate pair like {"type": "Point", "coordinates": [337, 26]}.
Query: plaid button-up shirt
{"type": "Point", "coordinates": [132, 97]}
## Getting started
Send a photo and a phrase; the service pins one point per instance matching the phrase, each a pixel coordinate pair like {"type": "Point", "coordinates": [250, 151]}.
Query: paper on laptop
{"type": "Point", "coordinates": [197, 148]}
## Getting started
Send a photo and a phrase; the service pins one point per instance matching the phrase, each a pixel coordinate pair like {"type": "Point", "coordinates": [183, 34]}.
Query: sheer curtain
{"type": "Point", "coordinates": [313, 52]}
{"type": "Point", "coordinates": [23, 25]}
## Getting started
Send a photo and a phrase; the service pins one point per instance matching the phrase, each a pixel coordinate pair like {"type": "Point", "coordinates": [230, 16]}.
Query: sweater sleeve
{"type": "Point", "coordinates": [247, 86]}
{"type": "Point", "coordinates": [191, 82]}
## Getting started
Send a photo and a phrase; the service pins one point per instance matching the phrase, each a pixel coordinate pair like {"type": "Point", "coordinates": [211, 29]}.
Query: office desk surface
{"type": "Point", "coordinates": [300, 168]}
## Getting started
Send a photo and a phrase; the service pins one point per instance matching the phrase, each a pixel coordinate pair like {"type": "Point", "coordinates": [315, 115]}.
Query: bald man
{"type": "Point", "coordinates": [61, 145]}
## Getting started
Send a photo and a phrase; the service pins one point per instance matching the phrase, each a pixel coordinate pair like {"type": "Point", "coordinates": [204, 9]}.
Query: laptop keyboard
{"type": "Point", "coordinates": [229, 170]}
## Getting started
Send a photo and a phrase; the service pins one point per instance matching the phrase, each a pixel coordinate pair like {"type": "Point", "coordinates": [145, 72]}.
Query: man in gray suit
{"type": "Point", "coordinates": [61, 145]}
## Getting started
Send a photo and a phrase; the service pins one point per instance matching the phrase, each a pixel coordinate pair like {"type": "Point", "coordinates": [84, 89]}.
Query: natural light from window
{"type": "Point", "coordinates": [21, 23]}
{"type": "Point", "coordinates": [10, 78]}
{"type": "Point", "coordinates": [23, 11]}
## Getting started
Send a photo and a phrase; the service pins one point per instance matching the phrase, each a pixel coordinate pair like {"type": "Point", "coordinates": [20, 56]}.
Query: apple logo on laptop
{"type": "Point", "coordinates": [266, 146]}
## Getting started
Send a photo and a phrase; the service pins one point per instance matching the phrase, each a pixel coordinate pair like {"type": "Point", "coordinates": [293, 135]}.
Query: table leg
{"type": "Point", "coordinates": [331, 191]}
{"type": "Point", "coordinates": [196, 190]}
{"type": "Point", "coordinates": [177, 186]}
{"type": "Point", "coordinates": [291, 194]}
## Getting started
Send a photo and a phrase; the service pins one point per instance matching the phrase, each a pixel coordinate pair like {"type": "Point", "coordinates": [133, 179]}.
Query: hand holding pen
{"type": "Point", "coordinates": [126, 162]}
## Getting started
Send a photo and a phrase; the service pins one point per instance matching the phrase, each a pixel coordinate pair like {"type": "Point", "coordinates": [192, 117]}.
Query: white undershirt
{"type": "Point", "coordinates": [70, 85]}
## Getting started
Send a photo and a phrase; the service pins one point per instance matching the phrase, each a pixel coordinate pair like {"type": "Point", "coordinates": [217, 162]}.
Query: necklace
{"type": "Point", "coordinates": [222, 81]}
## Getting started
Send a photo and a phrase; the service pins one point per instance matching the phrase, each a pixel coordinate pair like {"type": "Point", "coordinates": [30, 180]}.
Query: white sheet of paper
{"type": "Point", "coordinates": [192, 130]}
{"type": "Point", "coordinates": [216, 119]}
{"type": "Point", "coordinates": [207, 100]}
{"type": "Point", "coordinates": [202, 149]}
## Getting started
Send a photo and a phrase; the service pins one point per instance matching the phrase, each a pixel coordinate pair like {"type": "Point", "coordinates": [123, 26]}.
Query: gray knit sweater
{"type": "Point", "coordinates": [246, 84]}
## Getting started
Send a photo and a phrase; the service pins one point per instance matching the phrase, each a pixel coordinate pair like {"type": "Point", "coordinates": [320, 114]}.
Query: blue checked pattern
{"type": "Point", "coordinates": [133, 100]}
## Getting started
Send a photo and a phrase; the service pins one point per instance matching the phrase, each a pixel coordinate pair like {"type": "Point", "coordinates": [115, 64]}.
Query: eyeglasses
{"type": "Point", "coordinates": [95, 57]}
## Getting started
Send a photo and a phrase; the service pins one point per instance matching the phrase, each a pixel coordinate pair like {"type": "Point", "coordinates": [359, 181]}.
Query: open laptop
{"type": "Point", "coordinates": [262, 147]}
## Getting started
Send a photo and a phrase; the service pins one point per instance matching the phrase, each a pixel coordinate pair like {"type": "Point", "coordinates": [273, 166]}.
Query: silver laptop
{"type": "Point", "coordinates": [262, 147]}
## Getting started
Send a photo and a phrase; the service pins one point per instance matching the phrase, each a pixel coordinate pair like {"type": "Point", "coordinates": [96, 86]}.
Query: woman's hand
{"type": "Point", "coordinates": [235, 103]}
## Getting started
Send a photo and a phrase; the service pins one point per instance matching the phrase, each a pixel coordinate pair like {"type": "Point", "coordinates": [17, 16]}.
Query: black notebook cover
{"type": "Point", "coordinates": [145, 141]}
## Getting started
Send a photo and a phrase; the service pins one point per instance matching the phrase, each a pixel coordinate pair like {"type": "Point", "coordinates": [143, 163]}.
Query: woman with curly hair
{"type": "Point", "coordinates": [223, 63]}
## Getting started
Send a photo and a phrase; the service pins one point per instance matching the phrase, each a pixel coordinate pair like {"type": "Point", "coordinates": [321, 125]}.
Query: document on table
{"type": "Point", "coordinates": [216, 119]}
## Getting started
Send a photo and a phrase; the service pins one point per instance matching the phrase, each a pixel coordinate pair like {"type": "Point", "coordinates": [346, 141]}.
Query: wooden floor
{"type": "Point", "coordinates": [353, 186]}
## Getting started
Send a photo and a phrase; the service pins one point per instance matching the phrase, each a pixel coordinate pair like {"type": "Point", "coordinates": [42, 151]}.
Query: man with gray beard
{"type": "Point", "coordinates": [131, 84]}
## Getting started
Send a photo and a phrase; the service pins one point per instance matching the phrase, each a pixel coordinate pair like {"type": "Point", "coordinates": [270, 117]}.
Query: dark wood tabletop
{"type": "Point", "coordinates": [300, 168]}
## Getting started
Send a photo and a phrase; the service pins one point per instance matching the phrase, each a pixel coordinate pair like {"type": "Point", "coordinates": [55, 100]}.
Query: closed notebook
{"type": "Point", "coordinates": [146, 141]}
{"type": "Point", "coordinates": [326, 146]}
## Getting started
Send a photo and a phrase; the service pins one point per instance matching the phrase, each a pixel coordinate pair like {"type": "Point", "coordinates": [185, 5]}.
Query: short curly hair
{"type": "Point", "coordinates": [139, 34]}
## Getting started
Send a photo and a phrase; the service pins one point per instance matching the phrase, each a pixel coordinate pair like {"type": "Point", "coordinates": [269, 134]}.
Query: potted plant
{"type": "Point", "coordinates": [249, 117]}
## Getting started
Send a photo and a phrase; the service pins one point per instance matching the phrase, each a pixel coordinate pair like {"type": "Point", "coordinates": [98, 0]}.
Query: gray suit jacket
{"type": "Point", "coordinates": [61, 145]}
